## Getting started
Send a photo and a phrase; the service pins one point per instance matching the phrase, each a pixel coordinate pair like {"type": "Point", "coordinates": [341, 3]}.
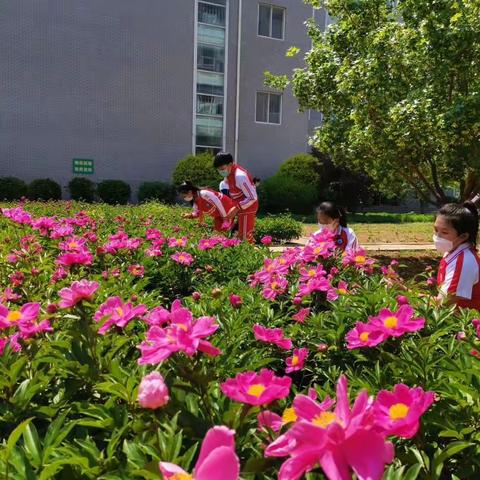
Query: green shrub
{"type": "Point", "coordinates": [161, 191]}
{"type": "Point", "coordinates": [12, 188]}
{"type": "Point", "coordinates": [198, 169]}
{"type": "Point", "coordinates": [302, 167]}
{"type": "Point", "coordinates": [114, 191]}
{"type": "Point", "coordinates": [81, 188]}
{"type": "Point", "coordinates": [285, 194]}
{"type": "Point", "coordinates": [282, 228]}
{"type": "Point", "coordinates": [44, 189]}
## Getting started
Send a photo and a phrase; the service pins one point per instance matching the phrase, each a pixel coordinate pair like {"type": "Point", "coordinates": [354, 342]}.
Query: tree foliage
{"type": "Point", "coordinates": [399, 86]}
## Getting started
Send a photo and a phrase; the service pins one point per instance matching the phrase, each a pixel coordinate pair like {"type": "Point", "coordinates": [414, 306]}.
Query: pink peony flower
{"type": "Point", "coordinates": [115, 312]}
{"type": "Point", "coordinates": [217, 459]}
{"type": "Point", "coordinates": [301, 315]}
{"type": "Point", "coordinates": [322, 347]}
{"type": "Point", "coordinates": [17, 278]}
{"type": "Point", "coordinates": [341, 441]}
{"type": "Point", "coordinates": [297, 360]}
{"type": "Point", "coordinates": [395, 324]}
{"type": "Point", "coordinates": [78, 291]}
{"type": "Point", "coordinates": [365, 335]}
{"type": "Point", "coordinates": [359, 260]}
{"type": "Point", "coordinates": [269, 419]}
{"type": "Point", "coordinates": [182, 258]}
{"type": "Point", "coordinates": [235, 300]}
{"type": "Point", "coordinates": [266, 240]}
{"type": "Point", "coordinates": [276, 287]}
{"type": "Point", "coordinates": [342, 288]}
{"type": "Point", "coordinates": [73, 244]}
{"type": "Point", "coordinates": [256, 388]}
{"type": "Point", "coordinates": [196, 296]}
{"type": "Point", "coordinates": [177, 242]}
{"type": "Point", "coordinates": [402, 300]}
{"type": "Point", "coordinates": [272, 335]}
{"type": "Point", "coordinates": [152, 392]}
{"type": "Point", "coordinates": [461, 336]}
{"type": "Point", "coordinates": [9, 296]}
{"type": "Point", "coordinates": [398, 412]}
{"type": "Point", "coordinates": [182, 334]}
{"type": "Point", "coordinates": [476, 326]}
{"type": "Point", "coordinates": [27, 313]}
{"type": "Point", "coordinates": [83, 257]}
{"type": "Point", "coordinates": [136, 270]}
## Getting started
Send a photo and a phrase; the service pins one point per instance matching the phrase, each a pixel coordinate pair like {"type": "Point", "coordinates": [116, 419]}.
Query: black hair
{"type": "Point", "coordinates": [463, 217]}
{"type": "Point", "coordinates": [222, 158]}
{"type": "Point", "coordinates": [256, 179]}
{"type": "Point", "coordinates": [332, 210]}
{"type": "Point", "coordinates": [187, 187]}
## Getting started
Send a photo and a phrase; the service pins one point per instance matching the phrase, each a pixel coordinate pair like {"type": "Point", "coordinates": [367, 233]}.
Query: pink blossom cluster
{"type": "Point", "coordinates": [383, 326]}
{"type": "Point", "coordinates": [120, 241]}
{"type": "Point", "coordinates": [358, 259]}
{"type": "Point", "coordinates": [344, 439]}
{"type": "Point", "coordinates": [212, 242]}
{"type": "Point", "coordinates": [114, 312]}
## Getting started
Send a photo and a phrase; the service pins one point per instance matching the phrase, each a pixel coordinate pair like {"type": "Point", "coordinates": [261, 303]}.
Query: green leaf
{"type": "Point", "coordinates": [32, 445]}
{"type": "Point", "coordinates": [14, 437]}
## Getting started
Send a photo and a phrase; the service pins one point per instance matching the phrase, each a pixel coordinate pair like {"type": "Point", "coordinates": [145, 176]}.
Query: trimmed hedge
{"type": "Point", "coordinates": [44, 189]}
{"type": "Point", "coordinates": [12, 188]}
{"type": "Point", "coordinates": [160, 191]}
{"type": "Point", "coordinates": [82, 189]}
{"type": "Point", "coordinates": [198, 169]}
{"type": "Point", "coordinates": [114, 192]}
{"type": "Point", "coordinates": [303, 167]}
{"type": "Point", "coordinates": [284, 194]}
{"type": "Point", "coordinates": [282, 228]}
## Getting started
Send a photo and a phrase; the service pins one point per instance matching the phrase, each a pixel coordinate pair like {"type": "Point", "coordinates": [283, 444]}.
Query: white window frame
{"type": "Point", "coordinates": [268, 111]}
{"type": "Point", "coordinates": [271, 6]}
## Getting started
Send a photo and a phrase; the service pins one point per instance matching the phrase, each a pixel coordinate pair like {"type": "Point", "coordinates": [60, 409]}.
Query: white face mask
{"type": "Point", "coordinates": [442, 244]}
{"type": "Point", "coordinates": [328, 226]}
{"type": "Point", "coordinates": [189, 198]}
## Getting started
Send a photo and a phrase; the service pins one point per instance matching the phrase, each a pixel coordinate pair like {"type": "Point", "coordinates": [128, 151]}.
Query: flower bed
{"type": "Point", "coordinates": [129, 337]}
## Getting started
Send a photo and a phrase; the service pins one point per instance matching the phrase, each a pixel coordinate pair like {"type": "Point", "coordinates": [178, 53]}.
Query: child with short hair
{"type": "Point", "coordinates": [456, 231]}
{"type": "Point", "coordinates": [332, 217]}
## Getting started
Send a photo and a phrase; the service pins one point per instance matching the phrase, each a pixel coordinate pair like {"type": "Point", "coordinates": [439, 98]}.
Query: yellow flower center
{"type": "Point", "coordinates": [398, 411]}
{"type": "Point", "coordinates": [73, 245]}
{"type": "Point", "coordinates": [391, 322]}
{"type": "Point", "coordinates": [317, 250]}
{"type": "Point", "coordinates": [324, 419]}
{"type": "Point", "coordinates": [256, 390]}
{"type": "Point", "coordinates": [360, 259]}
{"type": "Point", "coordinates": [282, 261]}
{"type": "Point", "coordinates": [182, 326]}
{"type": "Point", "coordinates": [14, 316]}
{"type": "Point", "coordinates": [119, 310]}
{"type": "Point", "coordinates": [364, 336]}
{"type": "Point", "coordinates": [274, 285]}
{"type": "Point", "coordinates": [295, 360]}
{"type": "Point", "coordinates": [311, 273]}
{"type": "Point", "coordinates": [342, 291]}
{"type": "Point", "coordinates": [181, 476]}
{"type": "Point", "coordinates": [182, 258]}
{"type": "Point", "coordinates": [289, 416]}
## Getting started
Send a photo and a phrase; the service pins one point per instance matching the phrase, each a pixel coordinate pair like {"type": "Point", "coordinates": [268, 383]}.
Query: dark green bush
{"type": "Point", "coordinates": [81, 188]}
{"type": "Point", "coordinates": [114, 191]}
{"type": "Point", "coordinates": [198, 169]}
{"type": "Point", "coordinates": [12, 188]}
{"type": "Point", "coordinates": [160, 191]}
{"type": "Point", "coordinates": [303, 167]}
{"type": "Point", "coordinates": [285, 194]}
{"type": "Point", "coordinates": [44, 189]}
{"type": "Point", "coordinates": [282, 228]}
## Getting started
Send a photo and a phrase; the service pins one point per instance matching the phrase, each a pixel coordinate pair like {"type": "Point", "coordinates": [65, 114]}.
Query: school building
{"type": "Point", "coordinates": [122, 89]}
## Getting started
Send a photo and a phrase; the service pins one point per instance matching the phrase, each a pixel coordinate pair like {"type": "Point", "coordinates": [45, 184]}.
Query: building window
{"type": "Point", "coordinates": [271, 21]}
{"type": "Point", "coordinates": [211, 14]}
{"type": "Point", "coordinates": [210, 83]}
{"type": "Point", "coordinates": [268, 108]}
{"type": "Point", "coordinates": [210, 105]}
{"type": "Point", "coordinates": [209, 131]}
{"type": "Point", "coordinates": [210, 58]}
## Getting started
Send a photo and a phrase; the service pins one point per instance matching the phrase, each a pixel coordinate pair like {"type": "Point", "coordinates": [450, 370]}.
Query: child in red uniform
{"type": "Point", "coordinates": [334, 218]}
{"type": "Point", "coordinates": [456, 230]}
{"type": "Point", "coordinates": [242, 191]}
{"type": "Point", "coordinates": [208, 202]}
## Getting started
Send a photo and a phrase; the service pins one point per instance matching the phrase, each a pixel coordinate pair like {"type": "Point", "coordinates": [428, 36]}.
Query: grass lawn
{"type": "Point", "coordinates": [387, 232]}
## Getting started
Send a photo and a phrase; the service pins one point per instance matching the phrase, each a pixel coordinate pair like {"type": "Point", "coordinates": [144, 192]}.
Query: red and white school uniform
{"type": "Point", "coordinates": [345, 239]}
{"type": "Point", "coordinates": [214, 204]}
{"type": "Point", "coordinates": [458, 275]}
{"type": "Point", "coordinates": [243, 192]}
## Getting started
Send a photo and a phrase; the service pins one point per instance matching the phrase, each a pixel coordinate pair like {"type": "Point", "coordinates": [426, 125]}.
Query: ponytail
{"type": "Point", "coordinates": [330, 209]}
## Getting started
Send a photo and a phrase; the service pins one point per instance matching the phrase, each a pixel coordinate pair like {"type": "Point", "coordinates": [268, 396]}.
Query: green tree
{"type": "Point", "coordinates": [399, 86]}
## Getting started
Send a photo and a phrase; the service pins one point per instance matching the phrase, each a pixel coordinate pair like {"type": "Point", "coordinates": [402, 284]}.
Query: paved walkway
{"type": "Point", "coordinates": [372, 247]}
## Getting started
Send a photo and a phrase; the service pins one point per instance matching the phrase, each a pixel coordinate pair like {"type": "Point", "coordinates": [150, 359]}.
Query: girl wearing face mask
{"type": "Point", "coordinates": [334, 218]}
{"type": "Point", "coordinates": [208, 202]}
{"type": "Point", "coordinates": [456, 230]}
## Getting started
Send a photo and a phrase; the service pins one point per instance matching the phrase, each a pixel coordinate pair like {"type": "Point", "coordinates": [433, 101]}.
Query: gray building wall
{"type": "Point", "coordinates": [112, 80]}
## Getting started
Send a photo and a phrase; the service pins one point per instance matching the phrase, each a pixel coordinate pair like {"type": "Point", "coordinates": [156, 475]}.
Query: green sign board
{"type": "Point", "coordinates": [82, 166]}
